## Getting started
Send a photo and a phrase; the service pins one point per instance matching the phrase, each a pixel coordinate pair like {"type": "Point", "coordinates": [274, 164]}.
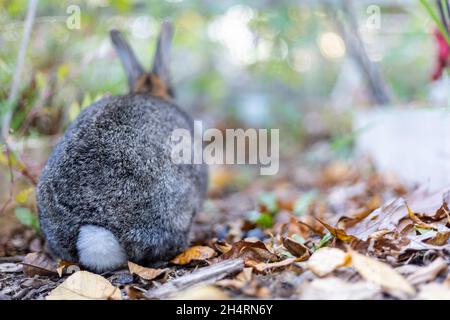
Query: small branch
{"type": "Point", "coordinates": [205, 275]}
{"type": "Point", "coordinates": [14, 91]}
{"type": "Point", "coordinates": [13, 259]}
{"type": "Point", "coordinates": [376, 84]}
{"type": "Point", "coordinates": [12, 182]}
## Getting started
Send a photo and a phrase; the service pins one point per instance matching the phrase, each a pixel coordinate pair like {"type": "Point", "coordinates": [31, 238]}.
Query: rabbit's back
{"type": "Point", "coordinates": [113, 169]}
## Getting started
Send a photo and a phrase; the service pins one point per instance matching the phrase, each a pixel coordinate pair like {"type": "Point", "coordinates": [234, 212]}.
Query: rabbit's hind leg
{"type": "Point", "coordinates": [99, 250]}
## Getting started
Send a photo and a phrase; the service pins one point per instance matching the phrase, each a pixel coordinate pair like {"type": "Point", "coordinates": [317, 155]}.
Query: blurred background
{"type": "Point", "coordinates": [304, 66]}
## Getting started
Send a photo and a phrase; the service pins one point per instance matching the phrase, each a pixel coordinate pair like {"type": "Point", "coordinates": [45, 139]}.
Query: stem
{"type": "Point", "coordinates": [14, 91]}
{"type": "Point", "coordinates": [428, 6]}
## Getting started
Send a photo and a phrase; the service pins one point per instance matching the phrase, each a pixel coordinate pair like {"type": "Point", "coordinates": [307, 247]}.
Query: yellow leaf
{"type": "Point", "coordinates": [338, 233]}
{"type": "Point", "coordinates": [66, 267]}
{"type": "Point", "coordinates": [380, 273]}
{"type": "Point", "coordinates": [83, 285]}
{"type": "Point", "coordinates": [23, 195]}
{"type": "Point", "coordinates": [11, 160]}
{"type": "Point", "coordinates": [145, 273]}
{"type": "Point", "coordinates": [419, 223]}
{"type": "Point", "coordinates": [325, 260]}
{"type": "Point", "coordinates": [194, 253]}
{"type": "Point", "coordinates": [63, 70]}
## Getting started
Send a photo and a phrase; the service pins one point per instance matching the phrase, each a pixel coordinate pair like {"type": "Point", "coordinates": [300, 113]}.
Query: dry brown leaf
{"type": "Point", "coordinates": [66, 267]}
{"type": "Point", "coordinates": [196, 253]}
{"type": "Point", "coordinates": [201, 292]}
{"type": "Point", "coordinates": [326, 260]}
{"type": "Point", "coordinates": [37, 263]}
{"type": "Point", "coordinates": [380, 273]}
{"type": "Point", "coordinates": [135, 293]}
{"type": "Point", "coordinates": [385, 218]}
{"type": "Point", "coordinates": [349, 221]}
{"type": "Point", "coordinates": [242, 278]}
{"type": "Point", "coordinates": [145, 273]}
{"type": "Point", "coordinates": [262, 267]}
{"type": "Point", "coordinates": [296, 248]}
{"type": "Point", "coordinates": [251, 252]}
{"type": "Point", "coordinates": [338, 233]}
{"type": "Point", "coordinates": [222, 246]}
{"type": "Point", "coordinates": [439, 239]}
{"type": "Point", "coordinates": [418, 223]}
{"type": "Point", "coordinates": [84, 285]}
{"type": "Point", "coordinates": [245, 275]}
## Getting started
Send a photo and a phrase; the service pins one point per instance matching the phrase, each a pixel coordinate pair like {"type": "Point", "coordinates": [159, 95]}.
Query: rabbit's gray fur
{"type": "Point", "coordinates": [113, 169]}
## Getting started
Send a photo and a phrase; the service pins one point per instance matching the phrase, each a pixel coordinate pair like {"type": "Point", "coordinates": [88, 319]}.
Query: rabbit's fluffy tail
{"type": "Point", "coordinates": [99, 250]}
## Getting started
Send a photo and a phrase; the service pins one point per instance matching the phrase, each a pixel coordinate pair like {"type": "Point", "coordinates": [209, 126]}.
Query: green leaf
{"type": "Point", "coordinates": [435, 16]}
{"type": "Point", "coordinates": [27, 218]}
{"type": "Point", "coordinates": [264, 220]}
{"type": "Point", "coordinates": [421, 230]}
{"type": "Point", "coordinates": [323, 242]}
{"type": "Point", "coordinates": [23, 195]}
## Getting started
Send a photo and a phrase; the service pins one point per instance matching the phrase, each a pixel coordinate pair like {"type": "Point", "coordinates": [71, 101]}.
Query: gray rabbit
{"type": "Point", "coordinates": [110, 191]}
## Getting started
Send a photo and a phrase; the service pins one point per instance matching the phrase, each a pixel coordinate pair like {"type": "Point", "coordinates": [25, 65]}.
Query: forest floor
{"type": "Point", "coordinates": [338, 230]}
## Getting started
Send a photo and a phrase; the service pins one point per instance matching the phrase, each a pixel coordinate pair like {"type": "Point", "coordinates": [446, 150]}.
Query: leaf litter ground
{"type": "Point", "coordinates": [336, 231]}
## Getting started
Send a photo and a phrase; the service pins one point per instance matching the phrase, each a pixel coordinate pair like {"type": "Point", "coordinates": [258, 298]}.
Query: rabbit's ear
{"type": "Point", "coordinates": [162, 55]}
{"type": "Point", "coordinates": [130, 63]}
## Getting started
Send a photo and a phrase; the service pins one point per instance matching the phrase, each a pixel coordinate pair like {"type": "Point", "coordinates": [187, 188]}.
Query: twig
{"type": "Point", "coordinates": [11, 259]}
{"type": "Point", "coordinates": [205, 275]}
{"type": "Point", "coordinates": [12, 181]}
{"type": "Point", "coordinates": [377, 86]}
{"type": "Point", "coordinates": [14, 91]}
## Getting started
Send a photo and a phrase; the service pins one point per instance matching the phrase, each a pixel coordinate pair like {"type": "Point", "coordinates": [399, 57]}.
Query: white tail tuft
{"type": "Point", "coordinates": [99, 250]}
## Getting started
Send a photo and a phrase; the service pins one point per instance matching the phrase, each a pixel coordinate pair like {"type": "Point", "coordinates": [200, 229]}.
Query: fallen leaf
{"type": "Point", "coordinates": [245, 275]}
{"type": "Point", "coordinates": [66, 267]}
{"type": "Point", "coordinates": [23, 195]}
{"type": "Point", "coordinates": [439, 238]}
{"type": "Point", "coordinates": [135, 293]}
{"type": "Point", "coordinates": [251, 252]}
{"type": "Point", "coordinates": [145, 273]}
{"type": "Point", "coordinates": [326, 260]}
{"type": "Point", "coordinates": [196, 253]}
{"type": "Point", "coordinates": [332, 288]}
{"type": "Point", "coordinates": [84, 285]}
{"type": "Point", "coordinates": [417, 222]}
{"type": "Point", "coordinates": [428, 273]}
{"type": "Point", "coordinates": [349, 221]}
{"type": "Point", "coordinates": [37, 263]}
{"type": "Point", "coordinates": [385, 218]}
{"type": "Point", "coordinates": [201, 292]}
{"type": "Point", "coordinates": [262, 267]}
{"type": "Point", "coordinates": [434, 291]}
{"type": "Point", "coordinates": [296, 248]}
{"type": "Point", "coordinates": [380, 273]}
{"type": "Point", "coordinates": [222, 246]}
{"type": "Point", "coordinates": [338, 233]}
